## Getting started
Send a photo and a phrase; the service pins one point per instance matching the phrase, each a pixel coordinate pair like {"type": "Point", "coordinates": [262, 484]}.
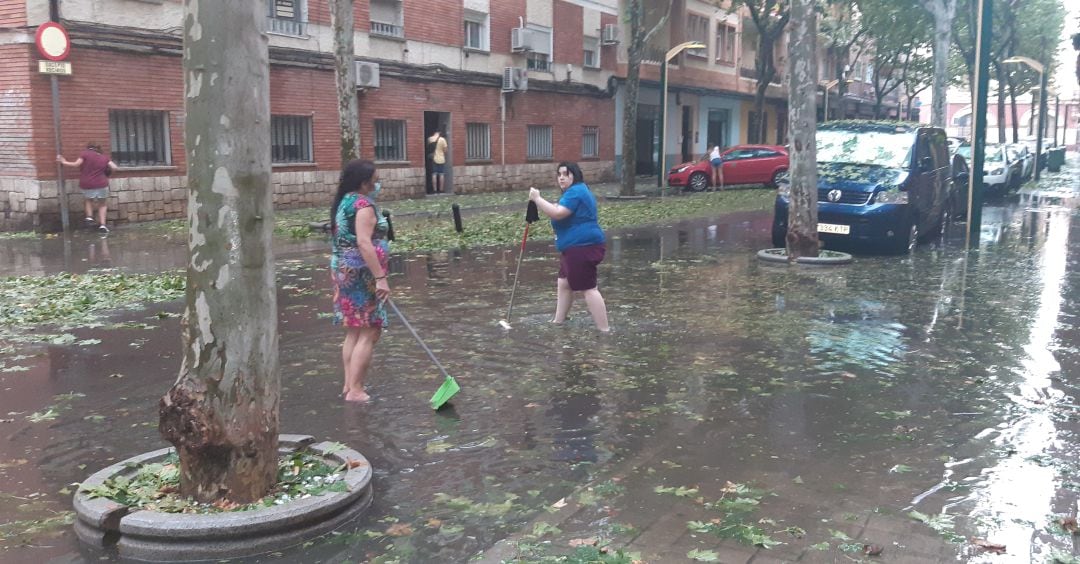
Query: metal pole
{"type": "Point", "coordinates": [1042, 123]}
{"type": "Point", "coordinates": [61, 192]}
{"type": "Point", "coordinates": [826, 116]}
{"type": "Point", "coordinates": [1057, 108]}
{"type": "Point", "coordinates": [663, 129]}
{"type": "Point", "coordinates": [978, 140]}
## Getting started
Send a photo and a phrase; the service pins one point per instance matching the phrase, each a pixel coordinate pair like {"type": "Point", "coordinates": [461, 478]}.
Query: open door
{"type": "Point", "coordinates": [438, 121]}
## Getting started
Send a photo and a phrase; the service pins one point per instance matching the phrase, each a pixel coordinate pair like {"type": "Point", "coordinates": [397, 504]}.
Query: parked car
{"type": "Point", "coordinates": [954, 143]}
{"type": "Point", "coordinates": [743, 164]}
{"type": "Point", "coordinates": [1002, 170]}
{"type": "Point", "coordinates": [1027, 160]}
{"type": "Point", "coordinates": [883, 185]}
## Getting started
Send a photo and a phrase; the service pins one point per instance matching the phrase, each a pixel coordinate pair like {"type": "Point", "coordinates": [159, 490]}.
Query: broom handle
{"type": "Point", "coordinates": [417, 337]}
{"type": "Point", "coordinates": [517, 271]}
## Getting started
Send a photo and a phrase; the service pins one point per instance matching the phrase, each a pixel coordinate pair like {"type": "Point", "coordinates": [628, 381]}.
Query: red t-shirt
{"type": "Point", "coordinates": [92, 170]}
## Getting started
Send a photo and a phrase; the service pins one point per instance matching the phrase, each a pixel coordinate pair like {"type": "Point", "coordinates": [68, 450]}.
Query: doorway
{"type": "Point", "coordinates": [437, 121]}
{"type": "Point", "coordinates": [646, 141]}
{"type": "Point", "coordinates": [718, 128]}
{"type": "Point", "coordinates": [687, 134]}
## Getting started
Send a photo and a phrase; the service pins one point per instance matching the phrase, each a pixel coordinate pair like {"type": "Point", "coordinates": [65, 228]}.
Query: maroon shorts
{"type": "Point", "coordinates": [578, 266]}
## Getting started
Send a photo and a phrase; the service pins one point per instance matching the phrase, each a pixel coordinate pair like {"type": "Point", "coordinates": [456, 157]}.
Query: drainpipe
{"type": "Point", "coordinates": [502, 134]}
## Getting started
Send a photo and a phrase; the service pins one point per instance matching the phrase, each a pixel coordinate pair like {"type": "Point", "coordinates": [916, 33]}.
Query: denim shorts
{"type": "Point", "coordinates": [438, 168]}
{"type": "Point", "coordinates": [96, 193]}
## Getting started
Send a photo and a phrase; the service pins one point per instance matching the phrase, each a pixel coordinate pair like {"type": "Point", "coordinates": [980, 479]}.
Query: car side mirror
{"type": "Point", "coordinates": [926, 164]}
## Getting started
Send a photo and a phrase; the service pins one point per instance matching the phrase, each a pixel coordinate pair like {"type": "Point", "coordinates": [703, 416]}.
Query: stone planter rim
{"type": "Point", "coordinates": [154, 536]}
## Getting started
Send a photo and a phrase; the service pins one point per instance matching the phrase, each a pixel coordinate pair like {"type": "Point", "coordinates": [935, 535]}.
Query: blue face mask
{"type": "Point", "coordinates": [375, 191]}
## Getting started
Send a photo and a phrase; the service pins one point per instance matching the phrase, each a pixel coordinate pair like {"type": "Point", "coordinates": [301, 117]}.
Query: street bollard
{"type": "Point", "coordinates": [457, 218]}
{"type": "Point", "coordinates": [389, 226]}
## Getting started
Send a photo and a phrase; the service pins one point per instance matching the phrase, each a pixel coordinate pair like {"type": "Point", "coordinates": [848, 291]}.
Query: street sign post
{"type": "Point", "coordinates": [54, 44]}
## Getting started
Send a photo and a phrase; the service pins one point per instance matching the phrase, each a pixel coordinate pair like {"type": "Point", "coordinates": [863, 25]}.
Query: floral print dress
{"type": "Point", "coordinates": [355, 304]}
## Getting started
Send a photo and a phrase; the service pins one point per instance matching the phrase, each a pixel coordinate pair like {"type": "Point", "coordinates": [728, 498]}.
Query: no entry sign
{"type": "Point", "coordinates": [52, 41]}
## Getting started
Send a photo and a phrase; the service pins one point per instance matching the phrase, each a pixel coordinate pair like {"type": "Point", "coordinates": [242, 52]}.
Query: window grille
{"type": "Point", "coordinates": [590, 142]}
{"type": "Point", "coordinates": [477, 142]}
{"type": "Point", "coordinates": [389, 140]}
{"type": "Point", "coordinates": [139, 137]}
{"type": "Point", "coordinates": [539, 142]}
{"type": "Point", "coordinates": [290, 139]}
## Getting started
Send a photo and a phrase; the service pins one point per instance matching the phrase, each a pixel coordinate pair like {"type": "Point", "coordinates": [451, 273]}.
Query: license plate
{"type": "Point", "coordinates": [833, 228]}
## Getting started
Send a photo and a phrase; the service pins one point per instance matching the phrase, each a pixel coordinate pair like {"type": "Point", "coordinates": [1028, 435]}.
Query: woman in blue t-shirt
{"type": "Point", "coordinates": [579, 239]}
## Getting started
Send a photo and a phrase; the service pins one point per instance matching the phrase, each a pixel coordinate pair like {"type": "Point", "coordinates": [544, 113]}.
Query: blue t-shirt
{"type": "Point", "coordinates": [580, 229]}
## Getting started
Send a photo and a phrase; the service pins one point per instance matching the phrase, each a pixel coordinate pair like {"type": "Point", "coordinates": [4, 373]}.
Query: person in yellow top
{"type": "Point", "coordinates": [438, 144]}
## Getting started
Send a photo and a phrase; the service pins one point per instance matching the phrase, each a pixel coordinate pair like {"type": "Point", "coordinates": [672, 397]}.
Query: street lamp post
{"type": "Point", "coordinates": [1042, 104]}
{"type": "Point", "coordinates": [661, 180]}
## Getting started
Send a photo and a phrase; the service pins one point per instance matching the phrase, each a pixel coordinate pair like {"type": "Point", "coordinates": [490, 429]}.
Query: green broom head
{"type": "Point", "coordinates": [446, 391]}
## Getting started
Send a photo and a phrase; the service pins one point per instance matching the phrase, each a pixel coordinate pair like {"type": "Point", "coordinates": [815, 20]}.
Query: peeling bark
{"type": "Point", "coordinates": [341, 20]}
{"type": "Point", "coordinates": [802, 237]}
{"type": "Point", "coordinates": [222, 412]}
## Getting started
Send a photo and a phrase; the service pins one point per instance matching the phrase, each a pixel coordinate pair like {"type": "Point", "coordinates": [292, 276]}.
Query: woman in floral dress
{"type": "Point", "coordinates": [359, 269]}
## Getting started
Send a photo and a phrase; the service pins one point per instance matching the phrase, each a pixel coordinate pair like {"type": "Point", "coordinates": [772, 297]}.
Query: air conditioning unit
{"type": "Point", "coordinates": [367, 75]}
{"type": "Point", "coordinates": [609, 35]}
{"type": "Point", "coordinates": [515, 79]}
{"type": "Point", "coordinates": [520, 40]}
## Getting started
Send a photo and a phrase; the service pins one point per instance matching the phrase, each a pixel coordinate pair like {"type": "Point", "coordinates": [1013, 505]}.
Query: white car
{"type": "Point", "coordinates": [1001, 170]}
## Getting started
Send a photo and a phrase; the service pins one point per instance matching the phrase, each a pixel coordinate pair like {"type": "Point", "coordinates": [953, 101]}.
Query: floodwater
{"type": "Point", "coordinates": [942, 382]}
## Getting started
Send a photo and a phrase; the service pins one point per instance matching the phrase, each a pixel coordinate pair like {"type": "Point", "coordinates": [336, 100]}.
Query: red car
{"type": "Point", "coordinates": [743, 164]}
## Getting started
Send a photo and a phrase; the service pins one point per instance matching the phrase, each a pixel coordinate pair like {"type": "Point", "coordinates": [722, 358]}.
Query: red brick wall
{"type": "Point", "coordinates": [609, 54]}
{"type": "Point", "coordinates": [504, 17]}
{"type": "Point", "coordinates": [12, 13]}
{"type": "Point", "coordinates": [16, 124]}
{"type": "Point", "coordinates": [156, 83]}
{"type": "Point", "coordinates": [569, 37]}
{"type": "Point", "coordinates": [104, 80]}
{"type": "Point", "coordinates": [436, 21]}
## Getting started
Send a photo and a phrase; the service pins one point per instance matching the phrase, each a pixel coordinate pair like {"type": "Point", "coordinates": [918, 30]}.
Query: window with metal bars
{"type": "Point", "coordinates": [290, 139]}
{"type": "Point", "coordinates": [539, 142]}
{"type": "Point", "coordinates": [389, 140]}
{"type": "Point", "coordinates": [477, 142]}
{"type": "Point", "coordinates": [139, 137]}
{"type": "Point", "coordinates": [590, 142]}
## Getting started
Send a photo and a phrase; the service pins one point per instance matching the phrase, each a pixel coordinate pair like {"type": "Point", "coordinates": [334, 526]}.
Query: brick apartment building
{"type": "Point", "coordinates": [422, 65]}
{"type": "Point", "coordinates": [517, 85]}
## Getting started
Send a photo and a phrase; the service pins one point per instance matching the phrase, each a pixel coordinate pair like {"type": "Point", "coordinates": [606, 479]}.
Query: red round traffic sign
{"type": "Point", "coordinates": [52, 41]}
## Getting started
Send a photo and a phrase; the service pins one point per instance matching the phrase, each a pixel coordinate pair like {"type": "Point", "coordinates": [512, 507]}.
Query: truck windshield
{"type": "Point", "coordinates": [878, 148]}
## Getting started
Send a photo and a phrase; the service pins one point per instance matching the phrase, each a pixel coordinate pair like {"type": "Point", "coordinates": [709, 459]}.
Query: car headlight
{"type": "Point", "coordinates": [891, 196]}
{"type": "Point", "coordinates": [995, 172]}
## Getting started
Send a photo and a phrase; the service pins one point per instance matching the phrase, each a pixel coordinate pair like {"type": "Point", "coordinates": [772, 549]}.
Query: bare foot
{"type": "Point", "coordinates": [359, 397]}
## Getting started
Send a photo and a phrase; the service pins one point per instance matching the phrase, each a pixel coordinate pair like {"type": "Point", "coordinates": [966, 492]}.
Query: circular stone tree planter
{"type": "Point", "coordinates": [145, 535]}
{"type": "Point", "coordinates": [824, 258]}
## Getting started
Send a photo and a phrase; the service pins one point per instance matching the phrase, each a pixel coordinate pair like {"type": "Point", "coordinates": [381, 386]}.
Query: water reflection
{"type": "Point", "coordinates": [946, 363]}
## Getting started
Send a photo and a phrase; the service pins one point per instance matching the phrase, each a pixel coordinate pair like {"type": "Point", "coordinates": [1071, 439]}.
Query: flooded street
{"type": "Point", "coordinates": [941, 384]}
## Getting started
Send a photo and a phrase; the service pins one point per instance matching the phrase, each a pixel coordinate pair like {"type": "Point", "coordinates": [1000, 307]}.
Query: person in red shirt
{"type": "Point", "coordinates": [94, 170]}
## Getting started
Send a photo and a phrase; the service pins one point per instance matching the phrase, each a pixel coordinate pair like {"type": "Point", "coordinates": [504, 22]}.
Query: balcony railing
{"type": "Point", "coordinates": [286, 27]}
{"type": "Point", "coordinates": [744, 72]}
{"type": "Point", "coordinates": [387, 29]}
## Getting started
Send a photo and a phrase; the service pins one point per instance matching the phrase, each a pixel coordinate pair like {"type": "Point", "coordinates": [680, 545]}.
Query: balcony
{"type": "Point", "coordinates": [386, 29]}
{"type": "Point", "coordinates": [286, 26]}
{"type": "Point", "coordinates": [752, 75]}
